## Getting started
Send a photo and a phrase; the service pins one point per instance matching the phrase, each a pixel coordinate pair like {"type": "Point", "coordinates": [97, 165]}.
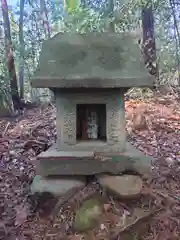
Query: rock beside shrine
{"type": "Point", "coordinates": [124, 186]}
{"type": "Point", "coordinates": [56, 186]}
{"type": "Point", "coordinates": [88, 215]}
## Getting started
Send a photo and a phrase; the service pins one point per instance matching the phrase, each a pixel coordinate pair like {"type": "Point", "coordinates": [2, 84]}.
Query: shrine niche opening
{"type": "Point", "coordinates": [91, 122]}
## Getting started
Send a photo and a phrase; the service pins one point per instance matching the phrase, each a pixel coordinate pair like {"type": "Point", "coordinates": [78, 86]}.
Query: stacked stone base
{"type": "Point", "coordinates": [57, 186]}
{"type": "Point", "coordinates": [124, 187]}
{"type": "Point", "coordinates": [59, 172]}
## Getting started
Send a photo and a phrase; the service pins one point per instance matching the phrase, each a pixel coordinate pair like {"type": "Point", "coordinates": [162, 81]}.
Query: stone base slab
{"type": "Point", "coordinates": [54, 162]}
{"type": "Point", "coordinates": [56, 186]}
{"type": "Point", "coordinates": [124, 186]}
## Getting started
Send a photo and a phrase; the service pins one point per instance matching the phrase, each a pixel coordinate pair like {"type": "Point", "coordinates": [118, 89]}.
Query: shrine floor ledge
{"type": "Point", "coordinates": [91, 161]}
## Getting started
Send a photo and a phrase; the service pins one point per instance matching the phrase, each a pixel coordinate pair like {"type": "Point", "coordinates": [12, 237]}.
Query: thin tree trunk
{"type": "Point", "coordinates": [10, 58]}
{"type": "Point", "coordinates": [21, 41]}
{"type": "Point", "coordinates": [149, 45]}
{"type": "Point", "coordinates": [111, 13]}
{"type": "Point", "coordinates": [44, 17]}
{"type": "Point", "coordinates": [177, 36]}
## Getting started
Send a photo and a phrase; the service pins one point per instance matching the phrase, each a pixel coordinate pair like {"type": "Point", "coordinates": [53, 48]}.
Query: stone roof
{"type": "Point", "coordinates": [91, 60]}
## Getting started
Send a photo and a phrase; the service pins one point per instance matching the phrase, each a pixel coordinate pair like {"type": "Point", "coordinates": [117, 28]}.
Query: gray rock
{"type": "Point", "coordinates": [124, 187]}
{"type": "Point", "coordinates": [56, 186]}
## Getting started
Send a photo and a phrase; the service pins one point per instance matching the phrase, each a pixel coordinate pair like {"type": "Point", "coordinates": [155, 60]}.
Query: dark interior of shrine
{"type": "Point", "coordinates": [91, 122]}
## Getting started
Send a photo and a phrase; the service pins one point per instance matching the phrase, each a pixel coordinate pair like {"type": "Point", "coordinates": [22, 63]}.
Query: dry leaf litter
{"type": "Point", "coordinates": [153, 126]}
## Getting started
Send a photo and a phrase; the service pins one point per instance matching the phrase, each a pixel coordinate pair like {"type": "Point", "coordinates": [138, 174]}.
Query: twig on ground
{"type": "Point", "coordinates": [62, 200]}
{"type": "Point", "coordinates": [134, 224]}
{"type": "Point", "coordinates": [115, 209]}
{"type": "Point", "coordinates": [3, 226]}
{"type": "Point", "coordinates": [32, 142]}
{"type": "Point", "coordinates": [170, 198]}
{"type": "Point", "coordinates": [6, 128]}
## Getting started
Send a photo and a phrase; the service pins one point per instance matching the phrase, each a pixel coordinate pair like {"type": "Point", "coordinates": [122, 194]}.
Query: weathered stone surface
{"type": "Point", "coordinates": [66, 120]}
{"type": "Point", "coordinates": [125, 186]}
{"type": "Point", "coordinates": [97, 60]}
{"type": "Point", "coordinates": [88, 215]}
{"type": "Point", "coordinates": [56, 186]}
{"type": "Point", "coordinates": [54, 162]}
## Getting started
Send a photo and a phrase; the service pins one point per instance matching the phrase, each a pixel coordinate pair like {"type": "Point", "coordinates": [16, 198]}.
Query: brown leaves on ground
{"type": "Point", "coordinates": [20, 141]}
{"type": "Point", "coordinates": [153, 127]}
{"type": "Point", "coordinates": [139, 121]}
{"type": "Point", "coordinates": [22, 213]}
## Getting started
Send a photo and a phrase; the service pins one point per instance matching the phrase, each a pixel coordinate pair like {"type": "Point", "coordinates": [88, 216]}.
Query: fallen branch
{"type": "Point", "coordinates": [62, 200]}
{"type": "Point", "coordinates": [130, 227]}
{"type": "Point", "coordinates": [168, 197]}
{"type": "Point", "coordinates": [33, 142]}
{"type": "Point", "coordinates": [3, 227]}
{"type": "Point", "coordinates": [5, 130]}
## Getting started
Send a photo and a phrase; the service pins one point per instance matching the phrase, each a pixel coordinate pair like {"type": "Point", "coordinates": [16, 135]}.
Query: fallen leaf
{"type": "Point", "coordinates": [107, 207]}
{"type": "Point", "coordinates": [3, 228]}
{"type": "Point", "coordinates": [139, 119]}
{"type": "Point", "coordinates": [76, 237]}
{"type": "Point", "coordinates": [21, 215]}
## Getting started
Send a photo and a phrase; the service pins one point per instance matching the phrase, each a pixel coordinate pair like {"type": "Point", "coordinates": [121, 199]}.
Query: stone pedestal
{"type": "Point", "coordinates": [90, 162]}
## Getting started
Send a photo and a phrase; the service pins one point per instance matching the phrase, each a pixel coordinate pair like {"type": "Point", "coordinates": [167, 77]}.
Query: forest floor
{"type": "Point", "coordinates": [153, 126]}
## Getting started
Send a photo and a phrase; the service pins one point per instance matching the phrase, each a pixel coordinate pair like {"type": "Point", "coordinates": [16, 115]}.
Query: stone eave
{"type": "Point", "coordinates": [76, 82]}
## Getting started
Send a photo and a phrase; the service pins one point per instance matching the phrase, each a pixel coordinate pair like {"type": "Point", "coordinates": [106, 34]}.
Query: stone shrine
{"type": "Point", "coordinates": [89, 75]}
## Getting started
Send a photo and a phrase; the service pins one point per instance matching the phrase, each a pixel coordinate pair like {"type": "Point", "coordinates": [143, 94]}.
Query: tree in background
{"type": "Point", "coordinates": [10, 59]}
{"type": "Point", "coordinates": [149, 45]}
{"type": "Point", "coordinates": [44, 16]}
{"type": "Point", "coordinates": [21, 42]}
{"type": "Point", "coordinates": [174, 6]}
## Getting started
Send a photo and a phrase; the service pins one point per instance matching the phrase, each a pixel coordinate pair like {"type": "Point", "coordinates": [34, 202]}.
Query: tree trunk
{"type": "Point", "coordinates": [10, 58]}
{"type": "Point", "coordinates": [176, 35]}
{"type": "Point", "coordinates": [44, 16]}
{"type": "Point", "coordinates": [21, 41]}
{"type": "Point", "coordinates": [149, 45]}
{"type": "Point", "coordinates": [110, 12]}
